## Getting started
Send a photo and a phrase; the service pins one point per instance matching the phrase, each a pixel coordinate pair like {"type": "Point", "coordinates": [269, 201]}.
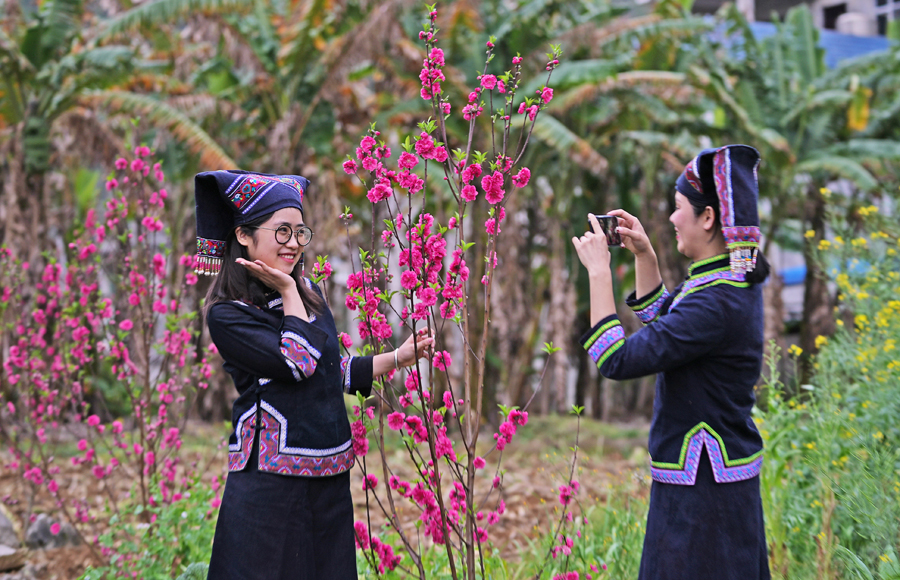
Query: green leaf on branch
{"type": "Point", "coordinates": [549, 348]}
{"type": "Point", "coordinates": [576, 410]}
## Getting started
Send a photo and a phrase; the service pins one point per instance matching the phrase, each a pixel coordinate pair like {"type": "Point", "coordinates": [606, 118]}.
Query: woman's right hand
{"type": "Point", "coordinates": [632, 233]}
{"type": "Point", "coordinates": [271, 277]}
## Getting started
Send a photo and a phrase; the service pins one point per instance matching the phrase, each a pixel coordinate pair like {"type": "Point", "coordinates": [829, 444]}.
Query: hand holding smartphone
{"type": "Point", "coordinates": [608, 223]}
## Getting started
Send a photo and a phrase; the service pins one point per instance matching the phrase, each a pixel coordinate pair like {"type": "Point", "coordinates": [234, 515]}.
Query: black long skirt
{"type": "Point", "coordinates": [706, 531]}
{"type": "Point", "coordinates": [277, 527]}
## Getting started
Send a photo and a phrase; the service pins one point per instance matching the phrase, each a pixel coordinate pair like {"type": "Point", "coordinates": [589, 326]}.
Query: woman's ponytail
{"type": "Point", "coordinates": [759, 274]}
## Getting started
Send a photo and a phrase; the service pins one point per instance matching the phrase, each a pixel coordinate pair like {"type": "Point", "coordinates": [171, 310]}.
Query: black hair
{"type": "Point", "coordinates": [759, 274]}
{"type": "Point", "coordinates": [234, 282]}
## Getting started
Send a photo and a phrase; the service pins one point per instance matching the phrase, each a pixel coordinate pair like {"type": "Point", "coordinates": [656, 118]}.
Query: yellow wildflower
{"type": "Point", "coordinates": [809, 234]}
{"type": "Point", "coordinates": [821, 341]}
{"type": "Point", "coordinates": [859, 242]}
{"type": "Point", "coordinates": [825, 192]}
{"type": "Point", "coordinates": [861, 320]}
{"type": "Point", "coordinates": [838, 241]}
{"type": "Point", "coordinates": [795, 350]}
{"type": "Point", "coordinates": [824, 245]}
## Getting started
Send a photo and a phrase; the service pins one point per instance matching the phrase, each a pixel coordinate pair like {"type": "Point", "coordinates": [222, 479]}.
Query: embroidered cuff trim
{"type": "Point", "coordinates": [608, 339]}
{"type": "Point", "coordinates": [345, 372]}
{"type": "Point", "coordinates": [724, 470]}
{"type": "Point", "coordinates": [274, 454]}
{"type": "Point", "coordinates": [648, 310]}
{"type": "Point", "coordinates": [299, 354]}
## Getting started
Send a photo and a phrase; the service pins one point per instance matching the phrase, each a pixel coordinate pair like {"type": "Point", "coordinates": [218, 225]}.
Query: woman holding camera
{"type": "Point", "coordinates": [704, 342]}
{"type": "Point", "coordinates": [286, 511]}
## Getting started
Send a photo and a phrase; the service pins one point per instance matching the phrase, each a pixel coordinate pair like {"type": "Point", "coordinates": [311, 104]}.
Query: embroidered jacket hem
{"type": "Point", "coordinates": [704, 343]}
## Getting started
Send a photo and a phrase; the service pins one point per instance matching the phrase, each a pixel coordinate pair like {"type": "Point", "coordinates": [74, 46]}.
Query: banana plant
{"type": "Point", "coordinates": [54, 69]}
{"type": "Point", "coordinates": [812, 125]}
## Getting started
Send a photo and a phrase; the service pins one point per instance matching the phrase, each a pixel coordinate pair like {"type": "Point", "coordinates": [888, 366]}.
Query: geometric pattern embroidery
{"type": "Point", "coordinates": [245, 191]}
{"type": "Point", "coordinates": [744, 236]}
{"type": "Point", "coordinates": [276, 457]}
{"type": "Point", "coordinates": [608, 339]}
{"type": "Point", "coordinates": [713, 278]}
{"type": "Point", "coordinates": [345, 372]}
{"type": "Point", "coordinates": [299, 354]}
{"type": "Point", "coordinates": [722, 177]}
{"type": "Point", "coordinates": [648, 311]}
{"type": "Point", "coordinates": [211, 248]}
{"type": "Point", "coordinates": [692, 174]}
{"type": "Point", "coordinates": [724, 471]}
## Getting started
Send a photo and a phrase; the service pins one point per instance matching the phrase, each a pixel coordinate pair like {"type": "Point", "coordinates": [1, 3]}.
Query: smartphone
{"type": "Point", "coordinates": [608, 224]}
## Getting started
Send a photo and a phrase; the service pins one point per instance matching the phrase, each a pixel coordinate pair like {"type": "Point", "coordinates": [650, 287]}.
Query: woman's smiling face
{"type": "Point", "coordinates": [264, 247]}
{"type": "Point", "coordinates": [692, 233]}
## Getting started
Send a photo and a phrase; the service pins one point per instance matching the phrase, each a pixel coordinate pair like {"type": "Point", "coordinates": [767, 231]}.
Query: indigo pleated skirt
{"type": "Point", "coordinates": [705, 531]}
{"type": "Point", "coordinates": [278, 527]}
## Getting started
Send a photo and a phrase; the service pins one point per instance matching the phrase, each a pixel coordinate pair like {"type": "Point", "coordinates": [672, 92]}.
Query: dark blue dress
{"type": "Point", "coordinates": [286, 511]}
{"type": "Point", "coordinates": [704, 341]}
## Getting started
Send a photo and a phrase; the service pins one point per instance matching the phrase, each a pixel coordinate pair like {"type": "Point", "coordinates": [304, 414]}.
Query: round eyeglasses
{"type": "Point", "coordinates": [283, 234]}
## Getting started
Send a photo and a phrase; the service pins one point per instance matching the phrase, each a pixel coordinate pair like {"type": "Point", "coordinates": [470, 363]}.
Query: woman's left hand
{"type": "Point", "coordinates": [416, 347]}
{"type": "Point", "coordinates": [592, 249]}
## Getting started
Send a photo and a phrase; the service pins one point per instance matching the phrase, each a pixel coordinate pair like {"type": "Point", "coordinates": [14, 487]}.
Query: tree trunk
{"type": "Point", "coordinates": [818, 317]}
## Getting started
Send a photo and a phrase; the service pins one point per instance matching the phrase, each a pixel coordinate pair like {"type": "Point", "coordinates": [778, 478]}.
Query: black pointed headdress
{"type": "Point", "coordinates": [727, 177]}
{"type": "Point", "coordinates": [228, 199]}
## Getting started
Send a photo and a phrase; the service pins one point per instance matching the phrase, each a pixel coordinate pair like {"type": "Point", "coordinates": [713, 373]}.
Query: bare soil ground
{"type": "Point", "coordinates": [534, 466]}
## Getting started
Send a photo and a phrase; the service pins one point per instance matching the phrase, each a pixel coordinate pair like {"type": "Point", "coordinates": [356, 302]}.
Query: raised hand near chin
{"type": "Point", "coordinates": [271, 277]}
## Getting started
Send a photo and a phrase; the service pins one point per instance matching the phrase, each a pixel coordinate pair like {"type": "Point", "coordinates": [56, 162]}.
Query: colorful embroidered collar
{"type": "Point", "coordinates": [698, 268]}
{"type": "Point", "coordinates": [710, 272]}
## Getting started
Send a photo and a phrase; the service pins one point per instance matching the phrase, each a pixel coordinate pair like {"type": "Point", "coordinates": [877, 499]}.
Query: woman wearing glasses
{"type": "Point", "coordinates": [286, 511]}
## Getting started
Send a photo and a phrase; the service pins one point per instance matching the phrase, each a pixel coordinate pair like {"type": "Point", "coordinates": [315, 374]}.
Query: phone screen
{"type": "Point", "coordinates": [608, 224]}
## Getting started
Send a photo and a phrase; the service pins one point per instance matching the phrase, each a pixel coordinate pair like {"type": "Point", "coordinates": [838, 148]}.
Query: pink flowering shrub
{"type": "Point", "coordinates": [418, 273]}
{"type": "Point", "coordinates": [119, 312]}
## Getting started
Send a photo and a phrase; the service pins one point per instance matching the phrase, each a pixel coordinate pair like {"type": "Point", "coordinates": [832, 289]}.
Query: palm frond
{"type": "Point", "coordinates": [11, 57]}
{"type": "Point", "coordinates": [161, 114]}
{"type": "Point", "coordinates": [670, 29]}
{"type": "Point", "coordinates": [579, 72]}
{"type": "Point", "coordinates": [656, 140]}
{"type": "Point", "coordinates": [867, 149]}
{"type": "Point", "coordinates": [833, 98]}
{"type": "Point", "coordinates": [162, 11]}
{"type": "Point", "coordinates": [805, 45]}
{"type": "Point", "coordinates": [549, 130]}
{"type": "Point", "coordinates": [61, 18]}
{"type": "Point", "coordinates": [883, 117]}
{"type": "Point", "coordinates": [522, 13]}
{"type": "Point", "coordinates": [766, 135]}
{"type": "Point", "coordinates": [836, 166]}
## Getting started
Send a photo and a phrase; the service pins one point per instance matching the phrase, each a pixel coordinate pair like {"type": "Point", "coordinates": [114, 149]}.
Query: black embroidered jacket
{"type": "Point", "coordinates": [705, 342]}
{"type": "Point", "coordinates": [291, 379]}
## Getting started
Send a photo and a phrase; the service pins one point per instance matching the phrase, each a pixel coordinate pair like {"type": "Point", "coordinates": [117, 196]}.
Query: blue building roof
{"type": "Point", "coordinates": [837, 46]}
